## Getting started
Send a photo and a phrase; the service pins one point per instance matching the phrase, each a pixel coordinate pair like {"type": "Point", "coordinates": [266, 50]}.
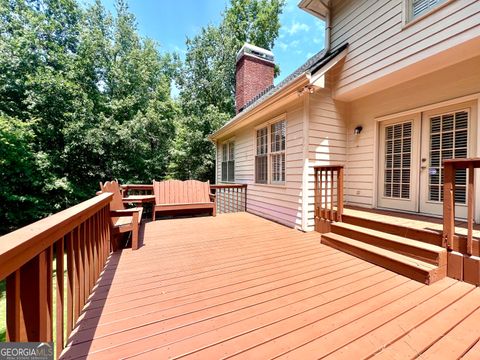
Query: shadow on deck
{"type": "Point", "coordinates": [241, 286]}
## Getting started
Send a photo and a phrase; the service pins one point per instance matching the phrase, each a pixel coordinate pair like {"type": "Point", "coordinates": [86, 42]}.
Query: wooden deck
{"type": "Point", "coordinates": [241, 286]}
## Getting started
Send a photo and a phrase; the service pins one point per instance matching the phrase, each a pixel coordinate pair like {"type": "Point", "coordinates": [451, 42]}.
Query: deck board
{"type": "Point", "coordinates": [237, 285]}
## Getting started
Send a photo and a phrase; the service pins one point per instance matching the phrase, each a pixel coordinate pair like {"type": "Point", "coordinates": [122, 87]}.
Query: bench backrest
{"type": "Point", "coordinates": [114, 188]}
{"type": "Point", "coordinates": [181, 192]}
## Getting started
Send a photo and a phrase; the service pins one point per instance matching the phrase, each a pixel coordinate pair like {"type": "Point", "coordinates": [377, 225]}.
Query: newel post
{"type": "Point", "coordinates": [448, 205]}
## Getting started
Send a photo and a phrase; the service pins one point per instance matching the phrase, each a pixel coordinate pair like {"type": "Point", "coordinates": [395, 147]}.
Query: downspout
{"type": "Point", "coordinates": [328, 27]}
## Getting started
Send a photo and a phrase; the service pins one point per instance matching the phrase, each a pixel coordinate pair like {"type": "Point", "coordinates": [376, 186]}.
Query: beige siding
{"type": "Point", "coordinates": [381, 47]}
{"type": "Point", "coordinates": [326, 138]}
{"type": "Point", "coordinates": [279, 203]}
{"type": "Point", "coordinates": [453, 82]}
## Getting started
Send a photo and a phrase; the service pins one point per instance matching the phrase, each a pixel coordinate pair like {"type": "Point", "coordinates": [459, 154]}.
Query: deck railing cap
{"type": "Point", "coordinates": [21, 245]}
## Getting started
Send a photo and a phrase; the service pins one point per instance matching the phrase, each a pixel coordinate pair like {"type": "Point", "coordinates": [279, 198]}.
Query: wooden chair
{"type": "Point", "coordinates": [172, 195]}
{"type": "Point", "coordinates": [123, 220]}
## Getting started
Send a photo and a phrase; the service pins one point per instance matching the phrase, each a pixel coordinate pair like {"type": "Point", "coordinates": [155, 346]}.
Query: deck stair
{"type": "Point", "coordinates": [418, 260]}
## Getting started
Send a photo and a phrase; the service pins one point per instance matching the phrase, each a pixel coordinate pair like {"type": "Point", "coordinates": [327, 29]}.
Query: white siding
{"type": "Point", "coordinates": [453, 82]}
{"type": "Point", "coordinates": [327, 138]}
{"type": "Point", "coordinates": [381, 46]}
{"type": "Point", "coordinates": [279, 203]}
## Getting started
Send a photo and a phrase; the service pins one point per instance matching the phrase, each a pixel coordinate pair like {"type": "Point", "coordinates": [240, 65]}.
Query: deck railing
{"type": "Point", "coordinates": [328, 196]}
{"type": "Point", "coordinates": [450, 168]}
{"type": "Point", "coordinates": [137, 189]}
{"type": "Point", "coordinates": [75, 241]}
{"type": "Point", "coordinates": [230, 198]}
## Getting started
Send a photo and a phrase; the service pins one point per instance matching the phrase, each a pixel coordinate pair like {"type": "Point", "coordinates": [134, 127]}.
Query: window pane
{"type": "Point", "coordinates": [231, 151]}
{"type": "Point", "coordinates": [448, 140]}
{"type": "Point", "coordinates": [231, 171]}
{"type": "Point", "coordinates": [278, 167]}
{"type": "Point", "coordinates": [224, 171]}
{"type": "Point", "coordinates": [261, 169]}
{"type": "Point", "coordinates": [398, 146]}
{"type": "Point", "coordinates": [278, 133]}
{"type": "Point", "coordinates": [262, 139]}
{"type": "Point", "coordinates": [224, 152]}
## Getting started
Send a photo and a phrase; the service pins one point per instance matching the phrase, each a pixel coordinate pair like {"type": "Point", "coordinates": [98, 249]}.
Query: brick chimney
{"type": "Point", "coordinates": [254, 74]}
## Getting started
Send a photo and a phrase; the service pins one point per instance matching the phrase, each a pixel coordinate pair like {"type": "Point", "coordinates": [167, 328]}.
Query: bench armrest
{"type": "Point", "coordinates": [212, 197]}
{"type": "Point", "coordinates": [126, 212]}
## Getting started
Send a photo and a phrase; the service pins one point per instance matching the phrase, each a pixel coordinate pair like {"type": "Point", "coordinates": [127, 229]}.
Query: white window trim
{"type": "Point", "coordinates": [407, 21]}
{"type": "Point", "coordinates": [268, 124]}
{"type": "Point", "coordinates": [227, 142]}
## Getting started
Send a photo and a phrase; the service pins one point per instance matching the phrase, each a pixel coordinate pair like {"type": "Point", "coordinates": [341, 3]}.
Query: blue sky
{"type": "Point", "coordinates": [169, 22]}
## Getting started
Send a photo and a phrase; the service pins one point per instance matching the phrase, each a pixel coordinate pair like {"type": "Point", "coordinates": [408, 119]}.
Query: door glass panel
{"type": "Point", "coordinates": [448, 140]}
{"type": "Point", "coordinates": [398, 157]}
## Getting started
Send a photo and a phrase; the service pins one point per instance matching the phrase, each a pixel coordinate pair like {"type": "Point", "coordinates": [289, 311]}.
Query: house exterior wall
{"type": "Point", "coordinates": [385, 51]}
{"type": "Point", "coordinates": [327, 138]}
{"type": "Point", "coordinates": [281, 203]}
{"type": "Point", "coordinates": [453, 82]}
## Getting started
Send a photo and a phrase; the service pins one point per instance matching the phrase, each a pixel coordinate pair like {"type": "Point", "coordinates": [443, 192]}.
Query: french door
{"type": "Point", "coordinates": [445, 135]}
{"type": "Point", "coordinates": [411, 152]}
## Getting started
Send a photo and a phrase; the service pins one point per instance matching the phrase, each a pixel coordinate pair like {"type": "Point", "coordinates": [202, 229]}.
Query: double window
{"type": "Point", "coordinates": [228, 162]}
{"type": "Point", "coordinates": [417, 8]}
{"type": "Point", "coordinates": [270, 153]}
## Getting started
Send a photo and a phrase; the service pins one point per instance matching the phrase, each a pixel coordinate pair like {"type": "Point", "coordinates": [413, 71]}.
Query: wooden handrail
{"type": "Point", "coordinates": [82, 233]}
{"type": "Point", "coordinates": [230, 198]}
{"type": "Point", "coordinates": [328, 178]}
{"type": "Point", "coordinates": [228, 186]}
{"type": "Point", "coordinates": [450, 167]}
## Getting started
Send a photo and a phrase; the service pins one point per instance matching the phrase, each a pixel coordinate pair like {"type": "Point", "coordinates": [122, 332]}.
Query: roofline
{"type": "Point", "coordinates": [243, 118]}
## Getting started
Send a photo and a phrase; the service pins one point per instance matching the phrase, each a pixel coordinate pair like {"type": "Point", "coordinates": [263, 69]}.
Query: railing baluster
{"type": "Point", "coordinates": [340, 194]}
{"type": "Point", "coordinates": [471, 208]}
{"type": "Point", "coordinates": [70, 282]}
{"type": "Point", "coordinates": [15, 323]}
{"type": "Point", "coordinates": [59, 341]}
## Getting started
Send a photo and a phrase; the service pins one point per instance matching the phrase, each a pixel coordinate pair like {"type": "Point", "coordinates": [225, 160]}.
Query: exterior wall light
{"type": "Point", "coordinates": [357, 130]}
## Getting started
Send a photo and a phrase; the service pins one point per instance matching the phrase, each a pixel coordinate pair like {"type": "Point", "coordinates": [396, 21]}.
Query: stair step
{"type": "Point", "coordinates": [419, 250]}
{"type": "Point", "coordinates": [404, 265]}
{"type": "Point", "coordinates": [423, 235]}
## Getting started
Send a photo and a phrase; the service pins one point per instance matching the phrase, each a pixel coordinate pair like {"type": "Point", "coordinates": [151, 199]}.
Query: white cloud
{"type": "Point", "coordinates": [296, 27]}
{"type": "Point", "coordinates": [282, 45]}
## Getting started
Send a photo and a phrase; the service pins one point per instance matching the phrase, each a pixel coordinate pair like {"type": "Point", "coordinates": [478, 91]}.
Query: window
{"type": "Point", "coordinates": [270, 153]}
{"type": "Point", "coordinates": [228, 162]}
{"type": "Point", "coordinates": [417, 8]}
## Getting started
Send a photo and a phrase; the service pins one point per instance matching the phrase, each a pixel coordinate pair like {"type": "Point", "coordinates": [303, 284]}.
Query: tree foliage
{"type": "Point", "coordinates": [83, 98]}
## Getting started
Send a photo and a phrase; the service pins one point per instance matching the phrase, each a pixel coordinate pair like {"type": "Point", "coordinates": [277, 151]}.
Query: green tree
{"type": "Point", "coordinates": [94, 97]}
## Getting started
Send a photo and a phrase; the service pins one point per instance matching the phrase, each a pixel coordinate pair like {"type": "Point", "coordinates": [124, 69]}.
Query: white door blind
{"type": "Point", "coordinates": [398, 154]}
{"type": "Point", "coordinates": [448, 140]}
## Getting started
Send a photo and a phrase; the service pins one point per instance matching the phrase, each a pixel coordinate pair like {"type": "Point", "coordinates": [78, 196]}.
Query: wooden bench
{"type": "Point", "coordinates": [123, 220]}
{"type": "Point", "coordinates": [173, 195]}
